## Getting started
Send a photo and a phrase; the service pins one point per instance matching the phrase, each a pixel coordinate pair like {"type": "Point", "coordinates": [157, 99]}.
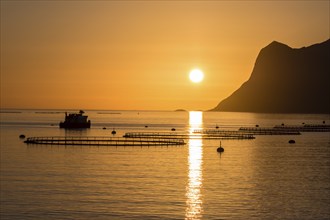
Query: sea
{"type": "Point", "coordinates": [261, 178]}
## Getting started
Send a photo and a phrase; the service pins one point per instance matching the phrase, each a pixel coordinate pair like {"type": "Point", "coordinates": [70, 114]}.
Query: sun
{"type": "Point", "coordinates": [196, 76]}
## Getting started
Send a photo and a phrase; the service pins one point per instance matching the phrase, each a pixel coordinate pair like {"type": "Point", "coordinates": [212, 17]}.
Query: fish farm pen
{"type": "Point", "coordinates": [197, 134]}
{"type": "Point", "coordinates": [268, 131]}
{"type": "Point", "coordinates": [104, 141]}
{"type": "Point", "coordinates": [304, 128]}
{"type": "Point", "coordinates": [177, 139]}
{"type": "Point", "coordinates": [277, 130]}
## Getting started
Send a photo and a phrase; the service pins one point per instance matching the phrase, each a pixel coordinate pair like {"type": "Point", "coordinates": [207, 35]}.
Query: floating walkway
{"type": "Point", "coordinates": [104, 141]}
{"type": "Point", "coordinates": [224, 134]}
{"type": "Point", "coordinates": [304, 128]}
{"type": "Point", "coordinates": [283, 129]}
{"type": "Point", "coordinates": [197, 134]}
{"type": "Point", "coordinates": [268, 131]}
{"type": "Point", "coordinates": [164, 135]}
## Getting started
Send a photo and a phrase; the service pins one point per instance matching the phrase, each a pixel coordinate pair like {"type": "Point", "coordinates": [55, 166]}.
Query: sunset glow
{"type": "Point", "coordinates": [164, 109]}
{"type": "Point", "coordinates": [136, 54]}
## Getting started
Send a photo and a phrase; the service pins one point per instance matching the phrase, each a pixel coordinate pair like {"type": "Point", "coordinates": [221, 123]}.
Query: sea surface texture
{"type": "Point", "coordinates": [261, 178]}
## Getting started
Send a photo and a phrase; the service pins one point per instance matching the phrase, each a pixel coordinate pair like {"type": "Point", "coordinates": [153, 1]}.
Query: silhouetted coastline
{"type": "Point", "coordinates": [285, 80]}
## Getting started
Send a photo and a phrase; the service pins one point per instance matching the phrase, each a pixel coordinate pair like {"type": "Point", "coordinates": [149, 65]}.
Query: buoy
{"type": "Point", "coordinates": [104, 128]}
{"type": "Point", "coordinates": [257, 126]}
{"type": "Point", "coordinates": [146, 126]}
{"type": "Point", "coordinates": [292, 141]}
{"type": "Point", "coordinates": [113, 131]}
{"type": "Point", "coordinates": [22, 136]}
{"type": "Point", "coordinates": [173, 129]}
{"type": "Point", "coordinates": [216, 126]}
{"type": "Point", "coordinates": [220, 149]}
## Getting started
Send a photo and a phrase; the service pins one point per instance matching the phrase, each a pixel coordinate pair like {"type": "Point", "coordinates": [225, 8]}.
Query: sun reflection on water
{"type": "Point", "coordinates": [193, 190]}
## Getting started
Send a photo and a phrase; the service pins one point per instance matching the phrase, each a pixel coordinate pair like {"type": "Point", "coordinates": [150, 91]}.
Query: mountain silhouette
{"type": "Point", "coordinates": [285, 80]}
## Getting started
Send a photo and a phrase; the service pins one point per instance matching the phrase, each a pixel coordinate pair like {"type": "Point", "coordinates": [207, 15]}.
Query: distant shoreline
{"type": "Point", "coordinates": [118, 112]}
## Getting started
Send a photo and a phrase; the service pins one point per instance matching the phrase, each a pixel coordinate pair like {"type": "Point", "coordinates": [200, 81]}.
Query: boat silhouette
{"type": "Point", "coordinates": [75, 120]}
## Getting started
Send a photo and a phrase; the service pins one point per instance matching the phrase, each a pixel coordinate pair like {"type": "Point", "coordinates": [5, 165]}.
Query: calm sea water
{"type": "Point", "coordinates": [264, 178]}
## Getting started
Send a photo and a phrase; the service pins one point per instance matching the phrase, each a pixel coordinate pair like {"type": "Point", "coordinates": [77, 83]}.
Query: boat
{"type": "Point", "coordinates": [75, 120]}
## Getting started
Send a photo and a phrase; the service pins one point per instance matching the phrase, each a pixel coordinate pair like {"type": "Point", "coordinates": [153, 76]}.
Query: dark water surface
{"type": "Point", "coordinates": [263, 178]}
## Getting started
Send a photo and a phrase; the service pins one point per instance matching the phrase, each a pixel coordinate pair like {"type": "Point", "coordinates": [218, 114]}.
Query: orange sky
{"type": "Point", "coordinates": [138, 54]}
